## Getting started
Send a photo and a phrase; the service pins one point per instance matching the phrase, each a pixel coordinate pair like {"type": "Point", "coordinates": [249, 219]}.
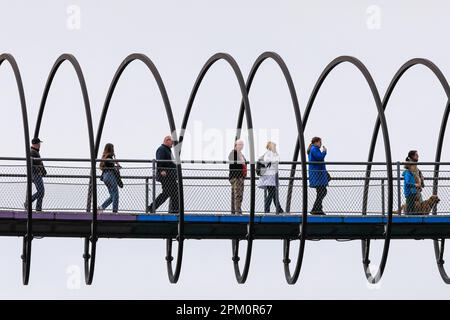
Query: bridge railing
{"type": "Point", "coordinates": [207, 188]}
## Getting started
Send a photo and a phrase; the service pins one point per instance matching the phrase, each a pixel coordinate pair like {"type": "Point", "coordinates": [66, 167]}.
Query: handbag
{"type": "Point", "coordinates": [260, 166]}
{"type": "Point", "coordinates": [118, 177]}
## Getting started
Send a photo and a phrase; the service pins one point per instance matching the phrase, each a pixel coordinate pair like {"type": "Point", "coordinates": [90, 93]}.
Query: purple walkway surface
{"type": "Point", "coordinates": [22, 215]}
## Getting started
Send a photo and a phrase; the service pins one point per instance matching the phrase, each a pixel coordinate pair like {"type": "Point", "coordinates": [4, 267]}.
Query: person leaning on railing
{"type": "Point", "coordinates": [38, 171]}
{"type": "Point", "coordinates": [111, 177]}
{"type": "Point", "coordinates": [413, 156]}
{"type": "Point", "coordinates": [268, 179]}
{"type": "Point", "coordinates": [237, 174]}
{"type": "Point", "coordinates": [167, 176]}
{"type": "Point", "coordinates": [318, 175]}
{"type": "Point", "coordinates": [410, 187]}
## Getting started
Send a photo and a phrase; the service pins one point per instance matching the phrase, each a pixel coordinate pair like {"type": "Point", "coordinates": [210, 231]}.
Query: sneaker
{"type": "Point", "coordinates": [317, 213]}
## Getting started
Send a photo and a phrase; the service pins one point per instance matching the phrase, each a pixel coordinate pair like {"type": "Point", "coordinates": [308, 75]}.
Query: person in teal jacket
{"type": "Point", "coordinates": [318, 175]}
{"type": "Point", "coordinates": [409, 188]}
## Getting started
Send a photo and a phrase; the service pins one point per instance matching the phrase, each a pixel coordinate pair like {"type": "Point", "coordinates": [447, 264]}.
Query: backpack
{"type": "Point", "coordinates": [260, 166]}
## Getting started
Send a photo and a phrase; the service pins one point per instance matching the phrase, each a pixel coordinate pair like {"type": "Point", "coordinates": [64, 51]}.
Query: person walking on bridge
{"type": "Point", "coordinates": [111, 177]}
{"type": "Point", "coordinates": [318, 175]}
{"type": "Point", "coordinates": [268, 179]}
{"type": "Point", "coordinates": [167, 175]}
{"type": "Point", "coordinates": [38, 172]}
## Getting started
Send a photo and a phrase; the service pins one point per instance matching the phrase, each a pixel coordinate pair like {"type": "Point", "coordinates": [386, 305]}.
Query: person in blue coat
{"type": "Point", "coordinates": [318, 175]}
{"type": "Point", "coordinates": [410, 187]}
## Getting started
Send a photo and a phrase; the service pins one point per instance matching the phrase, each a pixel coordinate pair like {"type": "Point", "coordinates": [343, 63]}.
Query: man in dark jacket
{"type": "Point", "coordinates": [38, 171]}
{"type": "Point", "coordinates": [167, 175]}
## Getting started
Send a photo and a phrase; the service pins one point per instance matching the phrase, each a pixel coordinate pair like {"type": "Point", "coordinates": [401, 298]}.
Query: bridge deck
{"type": "Point", "coordinates": [222, 226]}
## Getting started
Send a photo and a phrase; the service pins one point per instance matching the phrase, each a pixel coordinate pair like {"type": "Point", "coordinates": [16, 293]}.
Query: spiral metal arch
{"type": "Point", "coordinates": [388, 227]}
{"type": "Point", "coordinates": [28, 238]}
{"type": "Point", "coordinates": [241, 277]}
{"type": "Point", "coordinates": [290, 278]}
{"type": "Point", "coordinates": [94, 144]}
{"type": "Point", "coordinates": [173, 275]}
{"type": "Point", "coordinates": [90, 244]}
{"type": "Point", "coordinates": [438, 248]}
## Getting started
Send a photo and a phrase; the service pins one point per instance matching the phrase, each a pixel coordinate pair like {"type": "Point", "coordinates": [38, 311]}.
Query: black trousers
{"type": "Point", "coordinates": [272, 195]}
{"type": "Point", "coordinates": [169, 190]}
{"type": "Point", "coordinates": [321, 193]}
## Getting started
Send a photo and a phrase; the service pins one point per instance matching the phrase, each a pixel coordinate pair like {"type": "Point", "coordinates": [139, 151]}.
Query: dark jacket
{"type": "Point", "coordinates": [236, 167]}
{"type": "Point", "coordinates": [38, 165]}
{"type": "Point", "coordinates": [164, 153]}
{"type": "Point", "coordinates": [318, 176]}
{"type": "Point", "coordinates": [108, 164]}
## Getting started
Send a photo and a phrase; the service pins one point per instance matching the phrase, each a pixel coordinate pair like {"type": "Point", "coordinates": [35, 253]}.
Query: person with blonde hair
{"type": "Point", "coordinates": [268, 179]}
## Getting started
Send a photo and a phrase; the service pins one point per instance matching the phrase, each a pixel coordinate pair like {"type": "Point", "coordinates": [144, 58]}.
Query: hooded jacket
{"type": "Point", "coordinates": [409, 184]}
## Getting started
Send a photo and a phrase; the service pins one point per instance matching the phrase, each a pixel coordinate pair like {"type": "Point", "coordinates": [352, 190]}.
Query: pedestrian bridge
{"type": "Point", "coordinates": [360, 205]}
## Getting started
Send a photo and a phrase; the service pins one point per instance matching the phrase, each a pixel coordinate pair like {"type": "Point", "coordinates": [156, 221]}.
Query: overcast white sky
{"type": "Point", "coordinates": [179, 36]}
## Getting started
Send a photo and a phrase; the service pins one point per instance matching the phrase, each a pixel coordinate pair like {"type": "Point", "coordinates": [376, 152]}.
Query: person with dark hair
{"type": "Point", "coordinates": [318, 175]}
{"type": "Point", "coordinates": [413, 156]}
{"type": "Point", "coordinates": [237, 174]}
{"type": "Point", "coordinates": [410, 187]}
{"type": "Point", "coordinates": [38, 172]}
{"type": "Point", "coordinates": [166, 174]}
{"type": "Point", "coordinates": [110, 176]}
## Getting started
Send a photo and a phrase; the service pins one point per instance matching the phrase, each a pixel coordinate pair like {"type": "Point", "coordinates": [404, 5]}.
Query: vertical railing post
{"type": "Point", "coordinates": [89, 196]}
{"type": "Point", "coordinates": [265, 198]}
{"type": "Point", "coordinates": [153, 185]}
{"type": "Point", "coordinates": [383, 206]}
{"type": "Point", "coordinates": [399, 193]}
{"type": "Point", "coordinates": [277, 193]}
{"type": "Point", "coordinates": [146, 194]}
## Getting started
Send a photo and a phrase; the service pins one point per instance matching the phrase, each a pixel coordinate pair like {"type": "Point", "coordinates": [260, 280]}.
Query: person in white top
{"type": "Point", "coordinates": [268, 179]}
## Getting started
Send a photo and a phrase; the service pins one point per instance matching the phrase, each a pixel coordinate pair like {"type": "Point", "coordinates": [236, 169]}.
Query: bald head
{"type": "Point", "coordinates": [239, 145]}
{"type": "Point", "coordinates": [168, 141]}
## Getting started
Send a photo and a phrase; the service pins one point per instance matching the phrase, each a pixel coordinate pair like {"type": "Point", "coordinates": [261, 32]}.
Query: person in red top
{"type": "Point", "coordinates": [237, 174]}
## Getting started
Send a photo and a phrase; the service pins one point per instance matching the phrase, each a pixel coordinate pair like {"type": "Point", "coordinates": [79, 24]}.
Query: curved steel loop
{"type": "Point", "coordinates": [27, 239]}
{"type": "Point", "coordinates": [173, 275]}
{"type": "Point", "coordinates": [89, 255]}
{"type": "Point", "coordinates": [241, 277]}
{"type": "Point", "coordinates": [438, 248]}
{"type": "Point", "coordinates": [388, 227]}
{"type": "Point", "coordinates": [290, 278]}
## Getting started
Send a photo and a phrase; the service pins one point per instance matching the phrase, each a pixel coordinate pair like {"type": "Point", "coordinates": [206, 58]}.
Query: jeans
{"type": "Point", "coordinates": [272, 195]}
{"type": "Point", "coordinates": [40, 191]}
{"type": "Point", "coordinates": [110, 180]}
{"type": "Point", "coordinates": [237, 194]}
{"type": "Point", "coordinates": [321, 193]}
{"type": "Point", "coordinates": [169, 190]}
